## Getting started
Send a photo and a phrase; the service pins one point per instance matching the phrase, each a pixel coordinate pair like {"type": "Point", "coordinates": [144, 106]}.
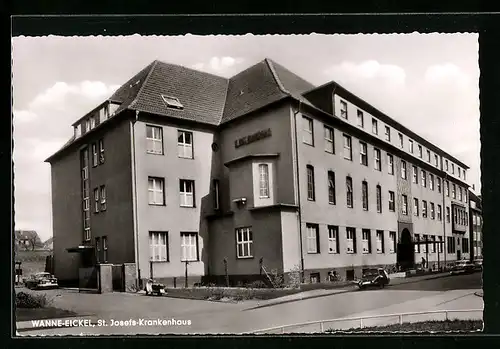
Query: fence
{"type": "Point", "coordinates": [364, 321]}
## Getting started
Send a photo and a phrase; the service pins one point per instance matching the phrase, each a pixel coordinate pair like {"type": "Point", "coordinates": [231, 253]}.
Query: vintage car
{"type": "Point", "coordinates": [373, 278]}
{"type": "Point", "coordinates": [41, 281]}
{"type": "Point", "coordinates": [478, 263]}
{"type": "Point", "coordinates": [463, 267]}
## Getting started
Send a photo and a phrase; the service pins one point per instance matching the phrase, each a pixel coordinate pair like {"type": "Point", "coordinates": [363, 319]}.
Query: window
{"type": "Point", "coordinates": [347, 147]}
{"type": "Point", "coordinates": [379, 199]}
{"type": "Point", "coordinates": [189, 247]}
{"type": "Point", "coordinates": [186, 191]}
{"type": "Point", "coordinates": [172, 102]}
{"type": "Point", "coordinates": [424, 208]}
{"type": "Point", "coordinates": [415, 174]}
{"type": "Point", "coordinates": [78, 130]}
{"type": "Point", "coordinates": [333, 239]}
{"type": "Point", "coordinates": [307, 131]}
{"type": "Point", "coordinates": [363, 156]}
{"type": "Point", "coordinates": [453, 168]}
{"type": "Point", "coordinates": [331, 188]}
{"type": "Point", "coordinates": [388, 133]}
{"type": "Point", "coordinates": [92, 122]}
{"type": "Point", "coordinates": [436, 161]}
{"type": "Point", "coordinates": [366, 240]}
{"type": "Point", "coordinates": [454, 191]}
{"type": "Point", "coordinates": [103, 114]}
{"type": "Point", "coordinates": [351, 240]}
{"type": "Point", "coordinates": [417, 245]}
{"type": "Point", "coordinates": [158, 246]}
{"type": "Point", "coordinates": [424, 178]}
{"type": "Point", "coordinates": [392, 206]}
{"type": "Point", "coordinates": [428, 156]}
{"type": "Point", "coordinates": [440, 245]}
{"type": "Point", "coordinates": [390, 164]}
{"type": "Point", "coordinates": [361, 121]}
{"type": "Point", "coordinates": [401, 141]}
{"type": "Point", "coordinates": [447, 188]}
{"type": "Point", "coordinates": [94, 155]}
{"type": "Point", "coordinates": [439, 184]}
{"type": "Point", "coordinates": [343, 109]}
{"type": "Point", "coordinates": [374, 126]}
{"type": "Point", "coordinates": [431, 181]}
{"type": "Point", "coordinates": [329, 140]}
{"type": "Point", "coordinates": [185, 144]}
{"type": "Point", "coordinates": [465, 195]}
{"type": "Point", "coordinates": [433, 212]}
{"type": "Point", "coordinates": [459, 172]}
{"type": "Point", "coordinates": [155, 191]}
{"type": "Point", "coordinates": [415, 207]}
{"type": "Point", "coordinates": [378, 164]}
{"type": "Point", "coordinates": [348, 182]}
{"type": "Point", "coordinates": [380, 241]}
{"type": "Point", "coordinates": [424, 246]}
{"type": "Point", "coordinates": [103, 198]}
{"type": "Point", "coordinates": [440, 213]}
{"type": "Point", "coordinates": [410, 146]}
{"type": "Point", "coordinates": [154, 140]}
{"type": "Point", "coordinates": [465, 245]}
{"type": "Point", "coordinates": [448, 214]}
{"type": "Point", "coordinates": [392, 241]}
{"type": "Point", "coordinates": [87, 125]}
{"type": "Point", "coordinates": [312, 238]}
{"type": "Point", "coordinates": [404, 208]}
{"type": "Point", "coordinates": [403, 169]}
{"type": "Point", "coordinates": [420, 151]}
{"type": "Point", "coordinates": [446, 165]}
{"type": "Point", "coordinates": [433, 246]}
{"type": "Point", "coordinates": [464, 174]}
{"type": "Point", "coordinates": [244, 242]}
{"type": "Point", "coordinates": [101, 151]}
{"type": "Point", "coordinates": [311, 195]}
{"type": "Point", "coordinates": [216, 194]}
{"type": "Point", "coordinates": [450, 242]}
{"type": "Point", "coordinates": [104, 249]}
{"type": "Point", "coordinates": [98, 249]}
{"type": "Point", "coordinates": [460, 194]}
{"type": "Point", "coordinates": [364, 189]}
{"type": "Point", "coordinates": [263, 180]}
{"type": "Point", "coordinates": [96, 199]}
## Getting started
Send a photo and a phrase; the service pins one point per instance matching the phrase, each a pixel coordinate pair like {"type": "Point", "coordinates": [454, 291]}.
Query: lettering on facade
{"type": "Point", "coordinates": [257, 136]}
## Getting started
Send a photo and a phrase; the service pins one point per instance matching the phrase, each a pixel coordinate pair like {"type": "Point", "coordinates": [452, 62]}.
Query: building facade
{"type": "Point", "coordinates": [185, 173]}
{"type": "Point", "coordinates": [475, 226]}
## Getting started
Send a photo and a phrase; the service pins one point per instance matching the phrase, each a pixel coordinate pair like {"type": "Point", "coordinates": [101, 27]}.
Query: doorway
{"type": "Point", "coordinates": [405, 251]}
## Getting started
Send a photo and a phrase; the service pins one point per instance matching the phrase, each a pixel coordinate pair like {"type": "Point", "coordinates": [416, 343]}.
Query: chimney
{"type": "Point", "coordinates": [473, 187]}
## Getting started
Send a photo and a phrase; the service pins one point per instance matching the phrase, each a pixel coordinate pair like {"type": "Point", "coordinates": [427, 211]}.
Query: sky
{"type": "Point", "coordinates": [427, 82]}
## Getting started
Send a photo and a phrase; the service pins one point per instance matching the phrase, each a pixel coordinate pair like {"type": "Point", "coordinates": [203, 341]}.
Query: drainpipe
{"type": "Point", "coordinates": [444, 214]}
{"type": "Point", "coordinates": [134, 184]}
{"type": "Point", "coordinates": [298, 192]}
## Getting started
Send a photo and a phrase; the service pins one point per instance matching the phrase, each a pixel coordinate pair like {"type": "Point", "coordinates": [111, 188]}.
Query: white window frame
{"type": "Point", "coordinates": [415, 174]}
{"type": "Point", "coordinates": [264, 181]}
{"type": "Point", "coordinates": [186, 197]}
{"type": "Point", "coordinates": [423, 176]}
{"type": "Point", "coordinates": [440, 245]}
{"type": "Point", "coordinates": [410, 146]}
{"type": "Point", "coordinates": [343, 109]}
{"type": "Point", "coordinates": [420, 151]}
{"type": "Point", "coordinates": [189, 247]}
{"type": "Point", "coordinates": [390, 164]}
{"type": "Point", "coordinates": [378, 194]}
{"type": "Point", "coordinates": [416, 246]}
{"type": "Point", "coordinates": [428, 156]}
{"type": "Point", "coordinates": [424, 209]}
{"type": "Point", "coordinates": [392, 203]}
{"type": "Point", "coordinates": [96, 200]}
{"type": "Point", "coordinates": [364, 195]}
{"type": "Point", "coordinates": [333, 235]}
{"type": "Point", "coordinates": [377, 161]}
{"type": "Point", "coordinates": [431, 181]}
{"type": "Point", "coordinates": [347, 147]}
{"type": "Point", "coordinates": [392, 240]}
{"type": "Point", "coordinates": [433, 211]}
{"type": "Point", "coordinates": [365, 239]}
{"type": "Point", "coordinates": [244, 243]}
{"type": "Point", "coordinates": [374, 126]}
{"type": "Point", "coordinates": [155, 142]}
{"type": "Point", "coordinates": [380, 242]}
{"type": "Point", "coordinates": [416, 207]}
{"type": "Point", "coordinates": [92, 122]}
{"type": "Point", "coordinates": [78, 130]}
{"type": "Point", "coordinates": [156, 188]}
{"type": "Point", "coordinates": [350, 240]}
{"type": "Point", "coordinates": [404, 174]}
{"type": "Point", "coordinates": [103, 114]}
{"type": "Point", "coordinates": [436, 160]}
{"type": "Point", "coordinates": [311, 185]}
{"type": "Point", "coordinates": [361, 119]}
{"type": "Point", "coordinates": [104, 240]}
{"type": "Point", "coordinates": [184, 148]}
{"type": "Point", "coordinates": [312, 238]}
{"type": "Point", "coordinates": [329, 140]}
{"type": "Point", "coordinates": [158, 246]}
{"type": "Point", "coordinates": [101, 151]}
{"type": "Point", "coordinates": [363, 153]}
{"type": "Point", "coordinates": [308, 130]}
{"type": "Point", "coordinates": [439, 212]}
{"type": "Point", "coordinates": [438, 180]}
{"type": "Point", "coordinates": [349, 192]}
{"type": "Point", "coordinates": [102, 190]}
{"type": "Point", "coordinates": [404, 204]}
{"type": "Point", "coordinates": [95, 155]}
{"type": "Point", "coordinates": [331, 188]}
{"type": "Point", "coordinates": [388, 133]}
{"type": "Point", "coordinates": [401, 140]}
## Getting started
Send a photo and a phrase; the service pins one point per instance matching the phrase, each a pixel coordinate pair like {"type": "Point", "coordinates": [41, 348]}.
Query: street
{"type": "Point", "coordinates": [445, 293]}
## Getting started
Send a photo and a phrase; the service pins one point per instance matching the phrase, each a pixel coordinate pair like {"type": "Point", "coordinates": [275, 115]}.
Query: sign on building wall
{"type": "Point", "coordinates": [257, 136]}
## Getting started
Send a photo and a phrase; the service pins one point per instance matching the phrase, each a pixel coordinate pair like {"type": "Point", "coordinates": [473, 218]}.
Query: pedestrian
{"type": "Point", "coordinates": [423, 263]}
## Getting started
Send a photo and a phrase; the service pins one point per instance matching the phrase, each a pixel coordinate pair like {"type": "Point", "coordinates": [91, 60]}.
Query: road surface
{"type": "Point", "coordinates": [454, 292]}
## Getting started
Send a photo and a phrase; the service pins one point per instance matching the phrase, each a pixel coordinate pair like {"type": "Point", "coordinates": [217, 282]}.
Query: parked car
{"type": "Point", "coordinates": [374, 278]}
{"type": "Point", "coordinates": [41, 281]}
{"type": "Point", "coordinates": [463, 267]}
{"type": "Point", "coordinates": [478, 263]}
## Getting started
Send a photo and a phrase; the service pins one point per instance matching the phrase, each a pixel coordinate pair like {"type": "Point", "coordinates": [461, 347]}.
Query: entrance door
{"type": "Point", "coordinates": [459, 255]}
{"type": "Point", "coordinates": [406, 251]}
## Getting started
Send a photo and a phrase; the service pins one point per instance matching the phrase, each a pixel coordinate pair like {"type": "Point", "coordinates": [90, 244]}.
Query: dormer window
{"type": "Point", "coordinates": [103, 114]}
{"type": "Point", "coordinates": [87, 125]}
{"type": "Point", "coordinates": [78, 130]}
{"type": "Point", "coordinates": [92, 122]}
{"type": "Point", "coordinates": [112, 107]}
{"type": "Point", "coordinates": [172, 102]}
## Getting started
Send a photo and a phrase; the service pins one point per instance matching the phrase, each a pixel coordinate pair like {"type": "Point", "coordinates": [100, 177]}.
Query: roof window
{"type": "Point", "coordinates": [172, 102]}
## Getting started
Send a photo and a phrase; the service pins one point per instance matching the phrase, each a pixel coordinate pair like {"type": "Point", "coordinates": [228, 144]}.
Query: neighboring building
{"type": "Point", "coordinates": [26, 240]}
{"type": "Point", "coordinates": [262, 168]}
{"type": "Point", "coordinates": [475, 225]}
{"type": "Point", "coordinates": [48, 244]}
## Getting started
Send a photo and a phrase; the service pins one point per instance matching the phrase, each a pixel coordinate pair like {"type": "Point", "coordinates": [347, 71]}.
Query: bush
{"type": "Point", "coordinates": [28, 300]}
{"type": "Point", "coordinates": [294, 277]}
{"type": "Point", "coordinates": [256, 284]}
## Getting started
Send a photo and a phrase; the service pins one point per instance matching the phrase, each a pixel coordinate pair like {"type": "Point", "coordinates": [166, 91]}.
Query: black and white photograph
{"type": "Point", "coordinates": [246, 184]}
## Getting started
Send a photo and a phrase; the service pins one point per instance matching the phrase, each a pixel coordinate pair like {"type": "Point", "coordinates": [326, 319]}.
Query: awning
{"type": "Point", "coordinates": [80, 248]}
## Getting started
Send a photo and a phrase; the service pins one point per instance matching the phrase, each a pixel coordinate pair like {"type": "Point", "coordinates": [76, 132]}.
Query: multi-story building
{"type": "Point", "coordinates": [181, 171]}
{"type": "Point", "coordinates": [475, 226]}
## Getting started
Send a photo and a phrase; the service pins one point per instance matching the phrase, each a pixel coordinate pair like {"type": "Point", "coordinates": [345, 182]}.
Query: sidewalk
{"type": "Point", "coordinates": [328, 292]}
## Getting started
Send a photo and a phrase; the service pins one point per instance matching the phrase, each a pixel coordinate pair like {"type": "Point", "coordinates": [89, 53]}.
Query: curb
{"type": "Point", "coordinates": [430, 277]}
